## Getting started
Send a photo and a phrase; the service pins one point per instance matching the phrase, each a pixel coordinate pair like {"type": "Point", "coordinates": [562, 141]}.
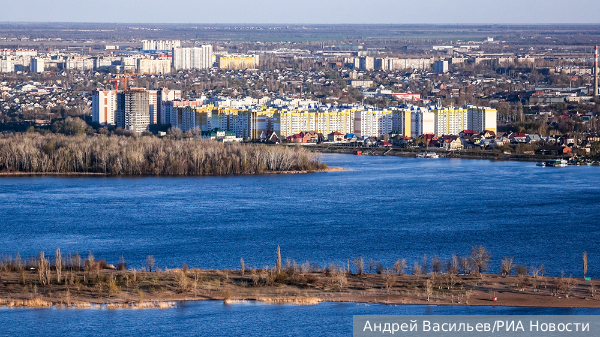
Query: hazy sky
{"type": "Point", "coordinates": [303, 11]}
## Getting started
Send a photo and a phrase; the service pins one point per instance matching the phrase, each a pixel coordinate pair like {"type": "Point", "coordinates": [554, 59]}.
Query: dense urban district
{"type": "Point", "coordinates": [505, 90]}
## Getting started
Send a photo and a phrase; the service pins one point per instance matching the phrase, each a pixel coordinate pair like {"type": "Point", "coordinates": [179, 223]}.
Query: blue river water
{"type": "Point", "coordinates": [216, 319]}
{"type": "Point", "coordinates": [386, 208]}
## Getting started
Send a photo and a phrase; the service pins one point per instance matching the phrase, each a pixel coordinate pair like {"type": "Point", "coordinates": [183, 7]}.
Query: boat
{"type": "Point", "coordinates": [542, 164]}
{"type": "Point", "coordinates": [428, 155]}
{"type": "Point", "coordinates": [557, 163]}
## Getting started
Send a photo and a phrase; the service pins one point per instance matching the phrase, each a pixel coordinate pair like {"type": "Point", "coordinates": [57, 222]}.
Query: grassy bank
{"type": "Point", "coordinates": [68, 285]}
{"type": "Point", "coordinates": [118, 155]}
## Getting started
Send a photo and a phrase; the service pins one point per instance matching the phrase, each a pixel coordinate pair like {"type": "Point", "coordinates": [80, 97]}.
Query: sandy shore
{"type": "Point", "coordinates": [137, 290]}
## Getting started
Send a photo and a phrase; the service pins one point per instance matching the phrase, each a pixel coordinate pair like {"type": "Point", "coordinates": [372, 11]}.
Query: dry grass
{"type": "Point", "coordinates": [32, 303]}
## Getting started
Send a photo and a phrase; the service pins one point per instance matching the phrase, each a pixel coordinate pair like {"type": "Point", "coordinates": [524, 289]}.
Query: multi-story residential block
{"type": "Point", "coordinates": [150, 66]}
{"type": "Point", "coordinates": [104, 107]}
{"type": "Point", "coordinates": [236, 62]}
{"type": "Point", "coordinates": [192, 58]}
{"type": "Point", "coordinates": [165, 95]}
{"type": "Point", "coordinates": [449, 121]}
{"type": "Point", "coordinates": [133, 110]}
{"type": "Point", "coordinates": [372, 123]}
{"type": "Point", "coordinates": [78, 63]}
{"type": "Point", "coordinates": [482, 119]}
{"type": "Point", "coordinates": [6, 65]}
{"type": "Point", "coordinates": [367, 63]}
{"type": "Point", "coordinates": [36, 65]}
{"type": "Point", "coordinates": [440, 67]}
{"type": "Point", "coordinates": [160, 44]}
{"type": "Point", "coordinates": [422, 122]}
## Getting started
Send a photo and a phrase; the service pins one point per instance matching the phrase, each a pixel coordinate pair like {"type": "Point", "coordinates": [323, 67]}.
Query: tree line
{"type": "Point", "coordinates": [119, 155]}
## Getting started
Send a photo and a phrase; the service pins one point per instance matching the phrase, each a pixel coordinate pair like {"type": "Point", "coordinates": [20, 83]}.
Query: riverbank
{"type": "Point", "coordinates": [75, 174]}
{"type": "Point", "coordinates": [409, 153]}
{"type": "Point", "coordinates": [137, 290]}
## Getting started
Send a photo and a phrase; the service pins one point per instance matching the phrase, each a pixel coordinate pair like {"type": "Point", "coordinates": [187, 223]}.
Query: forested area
{"type": "Point", "coordinates": [119, 155]}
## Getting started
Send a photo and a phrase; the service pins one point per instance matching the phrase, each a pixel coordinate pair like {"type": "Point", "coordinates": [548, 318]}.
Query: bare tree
{"type": "Point", "coordinates": [58, 264]}
{"type": "Point", "coordinates": [507, 266]}
{"type": "Point", "coordinates": [453, 265]}
{"type": "Point", "coordinates": [43, 269]}
{"type": "Point", "coordinates": [278, 259]}
{"type": "Point", "coordinates": [242, 267]}
{"type": "Point", "coordinates": [416, 269]}
{"type": "Point", "coordinates": [390, 278]}
{"type": "Point", "coordinates": [77, 261]}
{"type": "Point", "coordinates": [400, 266]}
{"type": "Point", "coordinates": [150, 262]}
{"type": "Point", "coordinates": [428, 289]}
{"type": "Point", "coordinates": [436, 264]}
{"type": "Point", "coordinates": [464, 264]}
{"type": "Point", "coordinates": [372, 264]}
{"type": "Point", "coordinates": [360, 265]}
{"type": "Point", "coordinates": [479, 258]}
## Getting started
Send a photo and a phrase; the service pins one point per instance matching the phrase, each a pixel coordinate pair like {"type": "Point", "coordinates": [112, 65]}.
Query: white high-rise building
{"type": "Point", "coordinates": [160, 44]}
{"type": "Point", "coordinates": [192, 58]}
{"type": "Point", "coordinates": [422, 122]}
{"type": "Point", "coordinates": [202, 57]}
{"type": "Point", "coordinates": [372, 123]}
{"type": "Point", "coordinates": [150, 66]}
{"type": "Point", "coordinates": [6, 65]}
{"type": "Point", "coordinates": [153, 106]}
{"type": "Point", "coordinates": [36, 65]}
{"type": "Point", "coordinates": [482, 119]}
{"type": "Point", "coordinates": [104, 106]}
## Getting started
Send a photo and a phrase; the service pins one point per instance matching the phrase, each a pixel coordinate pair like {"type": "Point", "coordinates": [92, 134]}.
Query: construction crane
{"type": "Point", "coordinates": [124, 77]}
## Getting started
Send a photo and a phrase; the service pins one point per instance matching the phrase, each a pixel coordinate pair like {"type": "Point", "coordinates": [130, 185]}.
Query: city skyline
{"type": "Point", "coordinates": [312, 12]}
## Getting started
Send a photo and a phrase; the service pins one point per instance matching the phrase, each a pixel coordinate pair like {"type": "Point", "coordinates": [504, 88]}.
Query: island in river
{"type": "Point", "coordinates": [39, 287]}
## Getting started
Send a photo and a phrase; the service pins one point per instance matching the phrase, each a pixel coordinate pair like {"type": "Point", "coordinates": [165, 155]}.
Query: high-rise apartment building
{"type": "Point", "coordinates": [133, 110]}
{"type": "Point", "coordinates": [236, 62]}
{"type": "Point", "coordinates": [150, 66]}
{"type": "Point", "coordinates": [36, 65]}
{"type": "Point", "coordinates": [440, 67]}
{"type": "Point", "coordinates": [162, 96]}
{"type": "Point", "coordinates": [104, 106]}
{"type": "Point", "coordinates": [482, 119]}
{"type": "Point", "coordinates": [449, 121]}
{"type": "Point", "coordinates": [192, 58]}
{"type": "Point", "coordinates": [160, 44]}
{"type": "Point", "coordinates": [6, 65]}
{"type": "Point", "coordinates": [367, 63]}
{"type": "Point", "coordinates": [372, 123]}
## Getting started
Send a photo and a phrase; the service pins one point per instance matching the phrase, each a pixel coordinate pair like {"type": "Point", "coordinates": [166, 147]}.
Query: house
{"type": "Point", "coordinates": [451, 143]}
{"type": "Point", "coordinates": [221, 135]}
{"type": "Point", "coordinates": [532, 138]}
{"type": "Point", "coordinates": [488, 134]}
{"type": "Point", "coordinates": [430, 138]}
{"type": "Point", "coordinates": [552, 150]}
{"type": "Point", "coordinates": [518, 137]}
{"type": "Point", "coordinates": [467, 133]}
{"type": "Point", "coordinates": [335, 137]}
{"type": "Point", "coordinates": [305, 137]}
{"type": "Point", "coordinates": [384, 144]}
{"type": "Point", "coordinates": [269, 136]}
{"type": "Point", "coordinates": [350, 137]}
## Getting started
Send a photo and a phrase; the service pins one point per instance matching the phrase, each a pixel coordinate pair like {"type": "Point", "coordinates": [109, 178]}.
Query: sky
{"type": "Point", "coordinates": [303, 11]}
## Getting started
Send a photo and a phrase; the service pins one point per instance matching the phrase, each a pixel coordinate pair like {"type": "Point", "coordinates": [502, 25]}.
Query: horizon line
{"type": "Point", "coordinates": [320, 24]}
